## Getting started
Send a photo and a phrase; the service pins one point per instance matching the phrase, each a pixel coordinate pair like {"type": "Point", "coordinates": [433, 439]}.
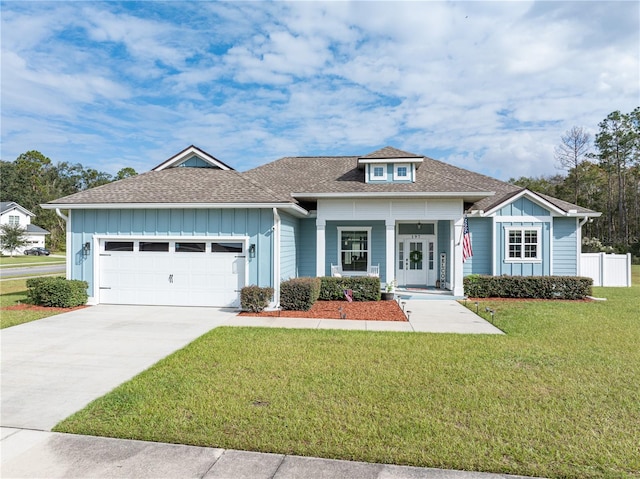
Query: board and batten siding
{"type": "Point", "coordinates": [481, 244]}
{"type": "Point", "coordinates": [288, 246]}
{"type": "Point", "coordinates": [565, 246]}
{"type": "Point", "coordinates": [523, 207]}
{"type": "Point", "coordinates": [377, 246]}
{"type": "Point", "coordinates": [256, 224]}
{"type": "Point", "coordinates": [307, 247]}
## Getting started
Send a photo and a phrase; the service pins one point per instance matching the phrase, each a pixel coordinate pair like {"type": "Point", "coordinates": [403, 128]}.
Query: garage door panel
{"type": "Point", "coordinates": [171, 278]}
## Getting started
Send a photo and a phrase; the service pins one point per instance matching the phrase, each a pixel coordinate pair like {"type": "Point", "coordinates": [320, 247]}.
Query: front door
{"type": "Point", "coordinates": [416, 261]}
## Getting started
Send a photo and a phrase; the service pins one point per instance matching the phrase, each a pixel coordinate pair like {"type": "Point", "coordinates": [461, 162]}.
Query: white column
{"type": "Point", "coordinates": [456, 269]}
{"type": "Point", "coordinates": [320, 247]}
{"type": "Point", "coordinates": [390, 244]}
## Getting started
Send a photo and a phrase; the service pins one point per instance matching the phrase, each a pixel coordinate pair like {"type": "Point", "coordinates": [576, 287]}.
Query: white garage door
{"type": "Point", "coordinates": [172, 273]}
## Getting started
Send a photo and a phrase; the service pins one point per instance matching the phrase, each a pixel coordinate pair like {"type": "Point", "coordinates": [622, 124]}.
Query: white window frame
{"type": "Point", "coordinates": [372, 170]}
{"type": "Point", "coordinates": [523, 230]}
{"type": "Point", "coordinates": [364, 229]}
{"type": "Point", "coordinates": [396, 167]}
{"type": "Point", "coordinates": [14, 220]}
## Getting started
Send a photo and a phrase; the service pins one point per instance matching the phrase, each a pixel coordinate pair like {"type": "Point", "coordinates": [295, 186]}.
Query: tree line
{"type": "Point", "coordinates": [33, 179]}
{"type": "Point", "coordinates": [603, 174]}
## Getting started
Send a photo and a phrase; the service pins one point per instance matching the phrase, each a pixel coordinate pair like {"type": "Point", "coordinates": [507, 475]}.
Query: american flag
{"type": "Point", "coordinates": [467, 251]}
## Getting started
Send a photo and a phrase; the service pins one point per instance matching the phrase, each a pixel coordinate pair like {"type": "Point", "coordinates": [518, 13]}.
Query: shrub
{"type": "Point", "coordinates": [254, 298]}
{"type": "Point", "coordinates": [537, 287]}
{"type": "Point", "coordinates": [57, 292]}
{"type": "Point", "coordinates": [364, 288]}
{"type": "Point", "coordinates": [299, 294]}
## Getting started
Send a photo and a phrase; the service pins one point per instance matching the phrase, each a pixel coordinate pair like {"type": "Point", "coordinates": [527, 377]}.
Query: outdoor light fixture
{"type": "Point", "coordinates": [252, 250]}
{"type": "Point", "coordinates": [86, 248]}
{"type": "Point", "coordinates": [419, 225]}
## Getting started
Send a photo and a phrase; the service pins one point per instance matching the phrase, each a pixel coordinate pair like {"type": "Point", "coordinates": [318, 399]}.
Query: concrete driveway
{"type": "Point", "coordinates": [54, 367]}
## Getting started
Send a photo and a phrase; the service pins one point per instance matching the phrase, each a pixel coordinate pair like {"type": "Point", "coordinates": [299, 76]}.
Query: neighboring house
{"type": "Point", "coordinates": [193, 231]}
{"type": "Point", "coordinates": [13, 214]}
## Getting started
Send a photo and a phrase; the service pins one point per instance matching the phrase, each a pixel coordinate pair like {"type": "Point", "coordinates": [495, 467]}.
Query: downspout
{"type": "Point", "coordinates": [276, 258]}
{"type": "Point", "coordinates": [579, 246]}
{"type": "Point", "coordinates": [67, 241]}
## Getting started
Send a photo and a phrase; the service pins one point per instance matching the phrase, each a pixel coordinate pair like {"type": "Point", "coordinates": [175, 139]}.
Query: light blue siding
{"type": "Point", "coordinates": [307, 247]}
{"type": "Point", "coordinates": [377, 247]}
{"type": "Point", "coordinates": [288, 246]}
{"type": "Point", "coordinates": [542, 268]}
{"type": "Point", "coordinates": [390, 170]}
{"type": "Point", "coordinates": [444, 246]}
{"type": "Point", "coordinates": [256, 224]}
{"type": "Point", "coordinates": [523, 207]}
{"type": "Point", "coordinates": [565, 246]}
{"type": "Point", "coordinates": [482, 244]}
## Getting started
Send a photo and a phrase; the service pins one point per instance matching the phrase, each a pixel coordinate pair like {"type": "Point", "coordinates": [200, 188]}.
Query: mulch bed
{"type": "Point", "coordinates": [33, 307]}
{"type": "Point", "coordinates": [362, 310]}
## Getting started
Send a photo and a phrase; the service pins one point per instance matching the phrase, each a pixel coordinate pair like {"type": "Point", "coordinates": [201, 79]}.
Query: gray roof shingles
{"type": "Point", "coordinates": [275, 182]}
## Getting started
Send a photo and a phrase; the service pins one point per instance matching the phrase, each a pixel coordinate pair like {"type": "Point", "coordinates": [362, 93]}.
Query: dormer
{"type": "Point", "coordinates": [390, 165]}
{"type": "Point", "coordinates": [192, 157]}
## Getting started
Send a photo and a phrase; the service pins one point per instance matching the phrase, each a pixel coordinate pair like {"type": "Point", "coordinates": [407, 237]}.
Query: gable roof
{"type": "Point", "coordinates": [389, 152]}
{"type": "Point", "coordinates": [176, 186]}
{"type": "Point", "coordinates": [188, 153]}
{"type": "Point", "coordinates": [6, 206]}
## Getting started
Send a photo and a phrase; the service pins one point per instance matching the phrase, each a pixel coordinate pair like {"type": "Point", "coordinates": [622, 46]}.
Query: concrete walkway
{"type": "Point", "coordinates": [29, 454]}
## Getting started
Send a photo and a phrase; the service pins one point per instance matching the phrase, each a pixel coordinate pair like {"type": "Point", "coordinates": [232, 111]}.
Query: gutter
{"type": "Point", "coordinates": [276, 258]}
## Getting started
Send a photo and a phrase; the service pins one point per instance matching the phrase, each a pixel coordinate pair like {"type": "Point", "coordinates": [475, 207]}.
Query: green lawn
{"type": "Point", "coordinates": [14, 292]}
{"type": "Point", "coordinates": [26, 260]}
{"type": "Point", "coordinates": [558, 396]}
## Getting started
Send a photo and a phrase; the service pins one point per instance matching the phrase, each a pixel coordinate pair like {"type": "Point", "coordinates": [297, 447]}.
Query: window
{"type": "Point", "coordinates": [153, 246]}
{"type": "Point", "coordinates": [118, 245]}
{"type": "Point", "coordinates": [190, 248]}
{"type": "Point", "coordinates": [401, 172]}
{"type": "Point", "coordinates": [226, 247]}
{"type": "Point", "coordinates": [523, 244]}
{"type": "Point", "coordinates": [353, 250]}
{"type": "Point", "coordinates": [14, 220]}
{"type": "Point", "coordinates": [379, 172]}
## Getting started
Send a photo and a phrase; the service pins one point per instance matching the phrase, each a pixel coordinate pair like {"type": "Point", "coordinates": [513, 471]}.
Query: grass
{"type": "Point", "coordinates": [25, 260]}
{"type": "Point", "coordinates": [558, 396]}
{"type": "Point", "coordinates": [15, 292]}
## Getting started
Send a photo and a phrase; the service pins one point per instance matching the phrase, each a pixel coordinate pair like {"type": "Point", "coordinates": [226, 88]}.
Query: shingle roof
{"type": "Point", "coordinates": [36, 229]}
{"type": "Point", "coordinates": [8, 205]}
{"type": "Point", "coordinates": [179, 185]}
{"type": "Point", "coordinates": [390, 152]}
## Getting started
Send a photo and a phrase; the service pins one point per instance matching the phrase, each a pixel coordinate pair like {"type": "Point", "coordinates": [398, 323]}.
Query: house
{"type": "Point", "coordinates": [193, 231]}
{"type": "Point", "coordinates": [12, 213]}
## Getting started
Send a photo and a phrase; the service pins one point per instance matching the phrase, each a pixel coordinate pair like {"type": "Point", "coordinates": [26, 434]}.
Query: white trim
{"type": "Point", "coordinates": [494, 244]}
{"type": "Point", "coordinates": [188, 154]}
{"type": "Point", "coordinates": [579, 226]}
{"type": "Point", "coordinates": [551, 241]}
{"type": "Point", "coordinates": [276, 258]}
{"type": "Point", "coordinates": [165, 206]}
{"type": "Point", "coordinates": [407, 177]}
{"type": "Point", "coordinates": [340, 229]}
{"type": "Point", "coordinates": [321, 239]}
{"type": "Point", "coordinates": [364, 161]}
{"type": "Point", "coordinates": [522, 259]}
{"type": "Point", "coordinates": [16, 206]}
{"type": "Point", "coordinates": [371, 171]}
{"type": "Point", "coordinates": [390, 250]}
{"type": "Point", "coordinates": [524, 219]}
{"type": "Point", "coordinates": [399, 194]}
{"type": "Point", "coordinates": [69, 253]}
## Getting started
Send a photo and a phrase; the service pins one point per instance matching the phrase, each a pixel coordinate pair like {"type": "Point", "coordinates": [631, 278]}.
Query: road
{"type": "Point", "coordinates": [32, 270]}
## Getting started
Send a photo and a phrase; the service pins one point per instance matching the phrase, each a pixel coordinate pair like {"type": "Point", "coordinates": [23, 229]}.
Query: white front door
{"type": "Point", "coordinates": [416, 261]}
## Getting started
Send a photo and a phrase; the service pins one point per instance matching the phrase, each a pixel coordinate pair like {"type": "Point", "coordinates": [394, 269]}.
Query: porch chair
{"type": "Point", "coordinates": [336, 270]}
{"type": "Point", "coordinates": [374, 271]}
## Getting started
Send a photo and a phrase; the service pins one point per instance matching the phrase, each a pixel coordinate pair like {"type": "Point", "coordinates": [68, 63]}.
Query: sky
{"type": "Point", "coordinates": [487, 86]}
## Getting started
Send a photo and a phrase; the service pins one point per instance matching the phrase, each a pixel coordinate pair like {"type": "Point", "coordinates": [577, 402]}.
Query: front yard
{"type": "Point", "coordinates": [558, 396]}
{"type": "Point", "coordinates": [12, 293]}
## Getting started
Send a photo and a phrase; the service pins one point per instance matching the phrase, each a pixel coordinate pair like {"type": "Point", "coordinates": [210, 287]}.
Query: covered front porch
{"type": "Point", "coordinates": [408, 253]}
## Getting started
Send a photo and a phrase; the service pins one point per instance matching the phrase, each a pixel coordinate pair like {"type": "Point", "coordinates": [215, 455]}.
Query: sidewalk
{"type": "Point", "coordinates": [29, 454]}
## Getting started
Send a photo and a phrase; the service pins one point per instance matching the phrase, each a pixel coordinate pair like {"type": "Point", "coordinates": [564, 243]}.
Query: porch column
{"type": "Point", "coordinates": [456, 263]}
{"type": "Point", "coordinates": [390, 245]}
{"type": "Point", "coordinates": [320, 247]}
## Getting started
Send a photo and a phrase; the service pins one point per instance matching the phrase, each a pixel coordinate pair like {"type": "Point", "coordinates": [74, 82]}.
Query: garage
{"type": "Point", "coordinates": [171, 272]}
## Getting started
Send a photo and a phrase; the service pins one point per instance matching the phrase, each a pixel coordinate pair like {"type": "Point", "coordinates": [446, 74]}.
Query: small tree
{"type": "Point", "coordinates": [12, 237]}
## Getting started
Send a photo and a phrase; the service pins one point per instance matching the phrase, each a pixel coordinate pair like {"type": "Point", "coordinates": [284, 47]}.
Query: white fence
{"type": "Point", "coordinates": [606, 269]}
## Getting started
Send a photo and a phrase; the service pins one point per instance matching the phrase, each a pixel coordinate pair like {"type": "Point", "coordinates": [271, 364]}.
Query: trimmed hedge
{"type": "Point", "coordinates": [57, 292]}
{"type": "Point", "coordinates": [254, 298]}
{"type": "Point", "coordinates": [535, 287]}
{"type": "Point", "coordinates": [299, 294]}
{"type": "Point", "coordinates": [365, 288]}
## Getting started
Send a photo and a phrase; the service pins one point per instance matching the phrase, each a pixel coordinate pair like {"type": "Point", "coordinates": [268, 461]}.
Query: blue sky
{"type": "Point", "coordinates": [489, 86]}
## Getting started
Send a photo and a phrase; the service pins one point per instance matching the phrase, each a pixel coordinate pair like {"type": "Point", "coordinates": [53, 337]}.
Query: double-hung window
{"type": "Point", "coordinates": [14, 220]}
{"type": "Point", "coordinates": [354, 249]}
{"type": "Point", "coordinates": [523, 244]}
